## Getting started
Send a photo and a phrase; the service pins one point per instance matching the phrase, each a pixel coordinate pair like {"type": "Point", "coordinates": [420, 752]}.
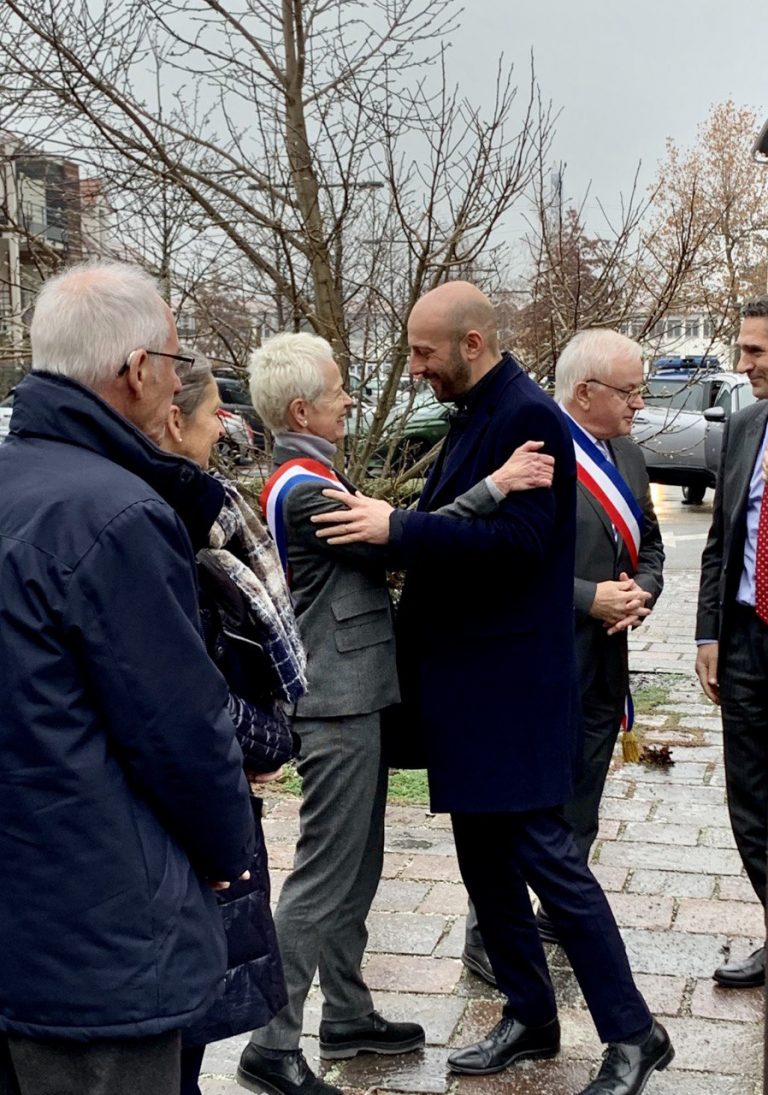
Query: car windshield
{"type": "Point", "coordinates": [682, 395]}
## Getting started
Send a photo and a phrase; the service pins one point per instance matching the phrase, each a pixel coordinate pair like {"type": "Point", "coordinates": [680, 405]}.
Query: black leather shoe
{"type": "Point", "coordinates": [509, 1041]}
{"type": "Point", "coordinates": [547, 932]}
{"type": "Point", "coordinates": [742, 975]}
{"type": "Point", "coordinates": [476, 960]}
{"type": "Point", "coordinates": [279, 1072]}
{"type": "Point", "coordinates": [371, 1034]}
{"type": "Point", "coordinates": [626, 1069]}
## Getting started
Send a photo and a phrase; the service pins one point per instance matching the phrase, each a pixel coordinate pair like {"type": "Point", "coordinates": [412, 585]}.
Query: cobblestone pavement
{"type": "Point", "coordinates": [668, 864]}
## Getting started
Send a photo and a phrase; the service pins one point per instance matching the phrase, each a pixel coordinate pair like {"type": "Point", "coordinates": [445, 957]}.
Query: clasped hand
{"type": "Point", "coordinates": [620, 604]}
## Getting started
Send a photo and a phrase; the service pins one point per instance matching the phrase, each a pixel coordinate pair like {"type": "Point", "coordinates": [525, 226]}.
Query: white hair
{"type": "Point", "coordinates": [284, 368]}
{"type": "Point", "coordinates": [90, 317]}
{"type": "Point", "coordinates": [591, 355]}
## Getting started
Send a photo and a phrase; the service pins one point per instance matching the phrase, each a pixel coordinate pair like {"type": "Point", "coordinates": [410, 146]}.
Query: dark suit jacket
{"type": "Point", "coordinates": [723, 558]}
{"type": "Point", "coordinates": [485, 627]}
{"type": "Point", "coordinates": [601, 557]}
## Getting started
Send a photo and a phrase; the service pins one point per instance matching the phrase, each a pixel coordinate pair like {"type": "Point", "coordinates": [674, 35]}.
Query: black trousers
{"type": "Point", "coordinates": [112, 1066]}
{"type": "Point", "coordinates": [499, 856]}
{"type": "Point", "coordinates": [601, 721]}
{"type": "Point", "coordinates": [743, 678]}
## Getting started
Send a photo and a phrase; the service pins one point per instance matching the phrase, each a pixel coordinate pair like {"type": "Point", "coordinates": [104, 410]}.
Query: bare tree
{"type": "Point", "coordinates": [317, 140]}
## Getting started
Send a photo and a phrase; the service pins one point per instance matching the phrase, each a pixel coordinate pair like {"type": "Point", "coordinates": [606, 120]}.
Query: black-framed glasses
{"type": "Point", "coordinates": [186, 360]}
{"type": "Point", "coordinates": [642, 391]}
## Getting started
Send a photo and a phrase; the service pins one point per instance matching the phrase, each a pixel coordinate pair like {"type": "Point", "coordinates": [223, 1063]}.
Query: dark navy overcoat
{"type": "Point", "coordinates": [121, 783]}
{"type": "Point", "coordinates": [485, 624]}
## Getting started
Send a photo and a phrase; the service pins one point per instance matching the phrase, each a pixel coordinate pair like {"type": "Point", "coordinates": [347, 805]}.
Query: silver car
{"type": "Point", "coordinates": [680, 429]}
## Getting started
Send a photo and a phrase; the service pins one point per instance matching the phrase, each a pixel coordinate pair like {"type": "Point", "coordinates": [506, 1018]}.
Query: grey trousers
{"type": "Point", "coordinates": [112, 1066]}
{"type": "Point", "coordinates": [320, 917]}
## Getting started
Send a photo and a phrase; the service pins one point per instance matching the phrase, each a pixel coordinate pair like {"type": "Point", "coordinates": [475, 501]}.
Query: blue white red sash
{"type": "Point", "coordinates": [277, 489]}
{"type": "Point", "coordinates": [628, 718]}
{"type": "Point", "coordinates": [605, 483]}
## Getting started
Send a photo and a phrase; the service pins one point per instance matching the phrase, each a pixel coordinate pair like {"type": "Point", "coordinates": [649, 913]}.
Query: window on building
{"type": "Point", "coordinates": [674, 328]}
{"type": "Point", "coordinates": [692, 327]}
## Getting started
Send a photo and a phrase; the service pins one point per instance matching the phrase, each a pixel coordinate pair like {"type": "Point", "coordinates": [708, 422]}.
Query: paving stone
{"type": "Point", "coordinates": [666, 857]}
{"type": "Point", "coordinates": [527, 1078]}
{"type": "Point", "coordinates": [413, 839]}
{"type": "Point", "coordinates": [449, 898]}
{"type": "Point", "coordinates": [281, 857]}
{"type": "Point", "coordinates": [438, 868]}
{"type": "Point", "coordinates": [690, 710]}
{"type": "Point", "coordinates": [671, 792]}
{"type": "Point", "coordinates": [610, 878]}
{"type": "Point", "coordinates": [701, 722]}
{"type": "Point", "coordinates": [411, 973]}
{"type": "Point", "coordinates": [709, 1001]}
{"type": "Point", "coordinates": [624, 809]}
{"type": "Point", "coordinates": [674, 1082]}
{"type": "Point", "coordinates": [675, 883]}
{"type": "Point", "coordinates": [276, 880]}
{"type": "Point", "coordinates": [682, 771]}
{"type": "Point", "coordinates": [641, 910]}
{"type": "Point", "coordinates": [718, 838]}
{"type": "Point", "coordinates": [730, 917]}
{"type": "Point", "coordinates": [701, 1045]}
{"type": "Point", "coordinates": [399, 815]}
{"type": "Point", "coordinates": [403, 933]}
{"type": "Point", "coordinates": [423, 1071]}
{"type": "Point", "coordinates": [609, 828]}
{"type": "Point", "coordinates": [216, 1086]}
{"type": "Point", "coordinates": [734, 889]}
{"type": "Point", "coordinates": [452, 943]}
{"type": "Point", "coordinates": [690, 813]}
{"type": "Point", "coordinates": [653, 832]}
{"type": "Point", "coordinates": [395, 864]}
{"type": "Point", "coordinates": [673, 953]}
{"type": "Point", "coordinates": [281, 830]}
{"type": "Point", "coordinates": [616, 790]}
{"type": "Point", "coordinates": [664, 995]}
{"type": "Point", "coordinates": [398, 895]}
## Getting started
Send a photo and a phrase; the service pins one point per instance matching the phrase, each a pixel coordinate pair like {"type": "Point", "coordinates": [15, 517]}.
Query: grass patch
{"type": "Point", "coordinates": [408, 785]}
{"type": "Point", "coordinates": [648, 698]}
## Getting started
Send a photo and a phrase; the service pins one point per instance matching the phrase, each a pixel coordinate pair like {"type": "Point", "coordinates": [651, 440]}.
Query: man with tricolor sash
{"type": "Point", "coordinates": [619, 553]}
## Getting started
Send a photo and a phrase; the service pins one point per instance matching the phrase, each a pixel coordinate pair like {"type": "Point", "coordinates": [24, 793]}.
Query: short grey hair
{"type": "Point", "coordinates": [195, 380]}
{"type": "Point", "coordinates": [286, 367]}
{"type": "Point", "coordinates": [757, 308]}
{"type": "Point", "coordinates": [589, 355]}
{"type": "Point", "coordinates": [90, 317]}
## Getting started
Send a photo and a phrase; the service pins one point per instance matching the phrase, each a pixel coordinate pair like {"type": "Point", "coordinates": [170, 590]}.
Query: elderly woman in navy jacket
{"type": "Point", "coordinates": [251, 635]}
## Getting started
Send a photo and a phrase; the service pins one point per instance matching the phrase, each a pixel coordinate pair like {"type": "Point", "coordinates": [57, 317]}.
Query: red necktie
{"type": "Point", "coordinates": [761, 561]}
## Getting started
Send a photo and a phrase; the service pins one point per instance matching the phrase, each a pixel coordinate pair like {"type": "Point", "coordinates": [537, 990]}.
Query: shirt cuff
{"type": "Point", "coordinates": [496, 494]}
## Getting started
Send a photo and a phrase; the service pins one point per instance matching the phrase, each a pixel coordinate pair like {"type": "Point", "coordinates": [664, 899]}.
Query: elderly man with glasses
{"type": "Point", "coordinates": [123, 801]}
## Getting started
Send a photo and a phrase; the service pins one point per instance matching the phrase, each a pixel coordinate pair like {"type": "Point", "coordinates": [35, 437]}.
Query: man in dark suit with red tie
{"type": "Point", "coordinates": [486, 644]}
{"type": "Point", "coordinates": [732, 622]}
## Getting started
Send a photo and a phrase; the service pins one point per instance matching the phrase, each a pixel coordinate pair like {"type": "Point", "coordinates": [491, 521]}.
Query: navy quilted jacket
{"type": "Point", "coordinates": [121, 783]}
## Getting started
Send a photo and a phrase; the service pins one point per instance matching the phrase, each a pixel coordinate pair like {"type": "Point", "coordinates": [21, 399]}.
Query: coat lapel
{"type": "Point", "coordinates": [753, 436]}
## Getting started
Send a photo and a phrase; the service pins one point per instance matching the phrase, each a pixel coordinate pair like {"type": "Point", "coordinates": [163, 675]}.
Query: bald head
{"type": "Point", "coordinates": [460, 307]}
{"type": "Point", "coordinates": [452, 337]}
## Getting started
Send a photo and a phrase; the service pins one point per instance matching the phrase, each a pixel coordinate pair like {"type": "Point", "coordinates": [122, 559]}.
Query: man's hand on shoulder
{"type": "Point", "coordinates": [706, 670]}
{"type": "Point", "coordinates": [363, 520]}
{"type": "Point", "coordinates": [526, 469]}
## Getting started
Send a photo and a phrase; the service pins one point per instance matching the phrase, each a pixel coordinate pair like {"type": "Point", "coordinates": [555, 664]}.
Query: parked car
{"type": "Point", "coordinates": [680, 430]}
{"type": "Point", "coordinates": [6, 409]}
{"type": "Point", "coordinates": [238, 441]}
{"type": "Point", "coordinates": [235, 397]}
{"type": "Point", "coordinates": [416, 423]}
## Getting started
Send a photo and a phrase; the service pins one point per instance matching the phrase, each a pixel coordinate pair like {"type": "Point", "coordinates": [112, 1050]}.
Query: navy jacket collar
{"type": "Point", "coordinates": [54, 408]}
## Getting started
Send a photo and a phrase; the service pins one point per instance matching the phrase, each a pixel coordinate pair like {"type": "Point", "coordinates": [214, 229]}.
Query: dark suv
{"type": "Point", "coordinates": [235, 397]}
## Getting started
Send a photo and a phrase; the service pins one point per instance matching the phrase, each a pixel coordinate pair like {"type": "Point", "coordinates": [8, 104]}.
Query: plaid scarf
{"type": "Point", "coordinates": [244, 548]}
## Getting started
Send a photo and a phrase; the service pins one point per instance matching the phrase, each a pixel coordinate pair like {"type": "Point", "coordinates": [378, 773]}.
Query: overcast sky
{"type": "Point", "coordinates": [625, 76]}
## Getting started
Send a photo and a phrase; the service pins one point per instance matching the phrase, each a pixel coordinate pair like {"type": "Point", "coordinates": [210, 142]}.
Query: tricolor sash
{"type": "Point", "coordinates": [279, 485]}
{"type": "Point", "coordinates": [605, 483]}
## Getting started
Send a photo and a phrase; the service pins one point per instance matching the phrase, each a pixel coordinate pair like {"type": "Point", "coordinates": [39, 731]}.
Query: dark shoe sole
{"type": "Point", "coordinates": [477, 968]}
{"type": "Point", "coordinates": [343, 1051]}
{"type": "Point", "coordinates": [744, 983]}
{"type": "Point", "coordinates": [524, 1055]}
{"type": "Point", "coordinates": [254, 1083]}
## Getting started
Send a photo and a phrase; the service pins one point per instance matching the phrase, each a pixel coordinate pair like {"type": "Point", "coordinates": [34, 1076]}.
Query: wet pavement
{"type": "Point", "coordinates": [665, 857]}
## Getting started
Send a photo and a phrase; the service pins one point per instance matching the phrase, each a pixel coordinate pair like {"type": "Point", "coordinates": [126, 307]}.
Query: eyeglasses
{"type": "Point", "coordinates": [185, 360]}
{"type": "Point", "coordinates": [641, 392]}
